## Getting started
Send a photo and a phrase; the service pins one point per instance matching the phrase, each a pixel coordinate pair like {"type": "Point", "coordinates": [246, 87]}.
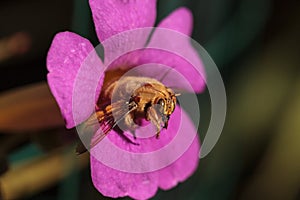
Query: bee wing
{"type": "Point", "coordinates": [107, 118]}
{"type": "Point", "coordinates": [115, 113]}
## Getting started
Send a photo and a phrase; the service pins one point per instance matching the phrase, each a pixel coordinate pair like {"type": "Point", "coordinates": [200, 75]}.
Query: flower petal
{"type": "Point", "coordinates": [115, 16]}
{"type": "Point", "coordinates": [180, 20]}
{"type": "Point", "coordinates": [171, 46]}
{"type": "Point", "coordinates": [180, 170]}
{"type": "Point", "coordinates": [66, 56]}
{"type": "Point", "coordinates": [114, 182]}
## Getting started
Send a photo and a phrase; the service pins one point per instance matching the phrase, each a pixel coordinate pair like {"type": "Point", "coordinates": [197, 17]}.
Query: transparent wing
{"type": "Point", "coordinates": [106, 118]}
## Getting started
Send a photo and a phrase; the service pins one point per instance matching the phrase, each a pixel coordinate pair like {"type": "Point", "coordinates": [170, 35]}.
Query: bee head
{"type": "Point", "coordinates": [166, 105]}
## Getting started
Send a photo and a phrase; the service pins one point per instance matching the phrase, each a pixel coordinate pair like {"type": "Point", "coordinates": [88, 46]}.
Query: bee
{"type": "Point", "coordinates": [128, 100]}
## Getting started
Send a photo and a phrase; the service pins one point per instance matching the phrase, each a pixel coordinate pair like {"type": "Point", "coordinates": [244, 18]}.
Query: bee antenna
{"type": "Point", "coordinates": [165, 74]}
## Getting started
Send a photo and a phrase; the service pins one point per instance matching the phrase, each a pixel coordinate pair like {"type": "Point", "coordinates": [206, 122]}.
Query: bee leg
{"type": "Point", "coordinates": [131, 125]}
{"type": "Point", "coordinates": [153, 117]}
{"type": "Point", "coordinates": [134, 135]}
{"type": "Point", "coordinates": [166, 124]}
{"type": "Point", "coordinates": [157, 134]}
{"type": "Point", "coordinates": [125, 137]}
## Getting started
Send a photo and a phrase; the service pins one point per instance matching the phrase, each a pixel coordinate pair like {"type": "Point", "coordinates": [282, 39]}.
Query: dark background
{"type": "Point", "coordinates": [255, 44]}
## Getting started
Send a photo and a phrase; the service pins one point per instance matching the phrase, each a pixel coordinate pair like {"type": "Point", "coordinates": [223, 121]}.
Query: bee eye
{"type": "Point", "coordinates": [161, 102]}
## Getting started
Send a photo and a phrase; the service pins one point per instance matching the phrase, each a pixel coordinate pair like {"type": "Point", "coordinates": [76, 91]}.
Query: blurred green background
{"type": "Point", "coordinates": [256, 46]}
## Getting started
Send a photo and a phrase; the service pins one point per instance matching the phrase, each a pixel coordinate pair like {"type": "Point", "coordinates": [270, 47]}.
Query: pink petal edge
{"type": "Point", "coordinates": [180, 20]}
{"type": "Point", "coordinates": [169, 47]}
{"type": "Point", "coordinates": [65, 57]}
{"type": "Point", "coordinates": [114, 183]}
{"type": "Point", "coordinates": [115, 16]}
{"type": "Point", "coordinates": [172, 47]}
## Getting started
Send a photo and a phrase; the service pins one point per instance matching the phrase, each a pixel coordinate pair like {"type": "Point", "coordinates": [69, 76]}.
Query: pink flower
{"type": "Point", "coordinates": [67, 54]}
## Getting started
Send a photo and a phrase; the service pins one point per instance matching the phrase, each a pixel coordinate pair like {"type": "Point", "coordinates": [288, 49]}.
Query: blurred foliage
{"type": "Point", "coordinates": [255, 44]}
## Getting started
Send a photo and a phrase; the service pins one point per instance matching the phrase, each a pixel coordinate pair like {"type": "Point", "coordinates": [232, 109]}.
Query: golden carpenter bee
{"type": "Point", "coordinates": [127, 100]}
